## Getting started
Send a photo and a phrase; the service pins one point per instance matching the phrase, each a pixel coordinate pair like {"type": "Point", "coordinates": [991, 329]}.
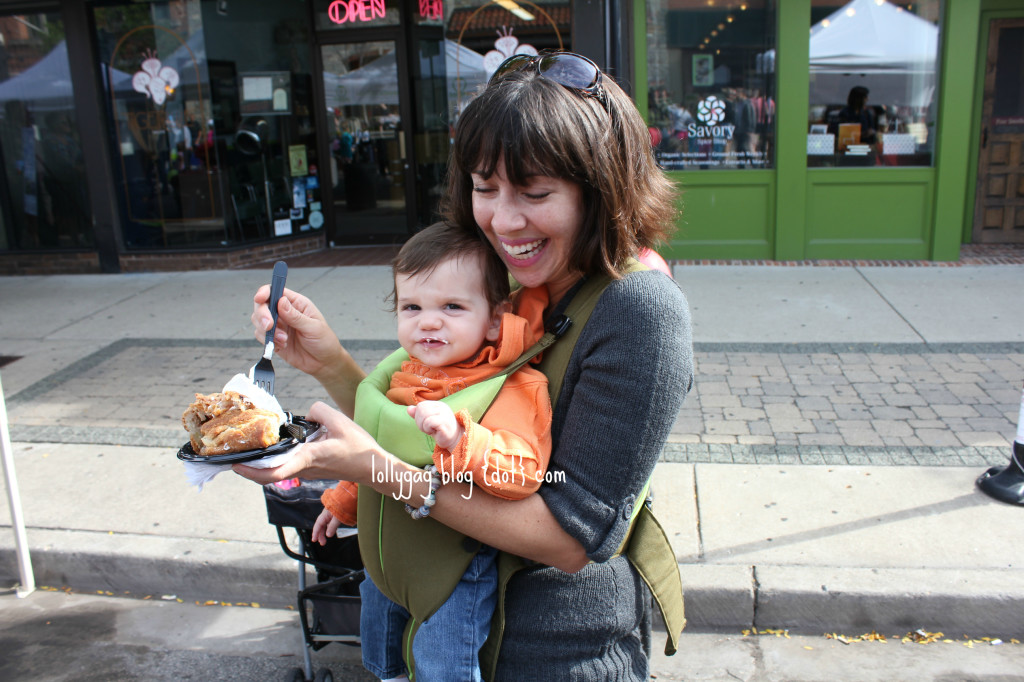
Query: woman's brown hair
{"type": "Point", "coordinates": [538, 127]}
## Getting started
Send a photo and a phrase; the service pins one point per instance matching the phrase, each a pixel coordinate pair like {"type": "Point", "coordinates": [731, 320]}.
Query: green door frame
{"type": "Point", "coordinates": [936, 215]}
{"type": "Point", "coordinates": [792, 64]}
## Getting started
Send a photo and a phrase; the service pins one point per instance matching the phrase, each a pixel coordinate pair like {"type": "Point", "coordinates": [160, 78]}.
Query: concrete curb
{"type": "Point", "coordinates": [975, 602]}
{"type": "Point", "coordinates": [978, 602]}
{"type": "Point", "coordinates": [189, 568]}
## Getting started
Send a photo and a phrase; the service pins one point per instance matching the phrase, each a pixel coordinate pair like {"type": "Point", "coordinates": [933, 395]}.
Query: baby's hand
{"type": "Point", "coordinates": [436, 419]}
{"type": "Point", "coordinates": [326, 526]}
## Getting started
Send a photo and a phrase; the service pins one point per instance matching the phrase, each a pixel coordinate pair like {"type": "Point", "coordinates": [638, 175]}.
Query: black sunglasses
{"type": "Point", "coordinates": [568, 69]}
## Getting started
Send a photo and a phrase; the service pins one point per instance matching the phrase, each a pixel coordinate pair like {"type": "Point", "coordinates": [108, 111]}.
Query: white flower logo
{"type": "Point", "coordinates": [711, 110]}
{"type": "Point", "coordinates": [155, 80]}
{"type": "Point", "coordinates": [505, 46]}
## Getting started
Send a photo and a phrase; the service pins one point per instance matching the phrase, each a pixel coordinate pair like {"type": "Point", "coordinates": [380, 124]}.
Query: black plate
{"type": "Point", "coordinates": [294, 431]}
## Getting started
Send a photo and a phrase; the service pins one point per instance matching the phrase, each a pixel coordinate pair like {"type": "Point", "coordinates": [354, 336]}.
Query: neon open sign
{"type": "Point", "coordinates": [341, 11]}
{"type": "Point", "coordinates": [431, 9]}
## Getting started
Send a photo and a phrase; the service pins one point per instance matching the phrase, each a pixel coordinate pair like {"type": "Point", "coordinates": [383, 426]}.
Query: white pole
{"type": "Point", "coordinates": [1020, 422]}
{"type": "Point", "coordinates": [28, 580]}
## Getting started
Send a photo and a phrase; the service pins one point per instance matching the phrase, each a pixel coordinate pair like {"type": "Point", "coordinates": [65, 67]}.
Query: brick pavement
{"type": "Point", "coordinates": [881, 404]}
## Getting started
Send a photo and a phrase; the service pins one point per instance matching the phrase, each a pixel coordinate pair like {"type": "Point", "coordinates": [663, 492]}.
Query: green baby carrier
{"type": "Point", "coordinates": [388, 536]}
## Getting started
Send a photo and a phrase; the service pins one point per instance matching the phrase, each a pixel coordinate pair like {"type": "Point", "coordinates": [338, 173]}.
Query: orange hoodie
{"type": "Point", "coordinates": [507, 452]}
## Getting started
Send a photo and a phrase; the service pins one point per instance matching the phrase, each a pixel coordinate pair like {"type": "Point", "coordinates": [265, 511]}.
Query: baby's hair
{"type": "Point", "coordinates": [441, 242]}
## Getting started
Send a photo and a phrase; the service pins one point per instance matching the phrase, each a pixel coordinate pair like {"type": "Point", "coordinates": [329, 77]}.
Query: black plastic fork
{"type": "Point", "coordinates": [262, 373]}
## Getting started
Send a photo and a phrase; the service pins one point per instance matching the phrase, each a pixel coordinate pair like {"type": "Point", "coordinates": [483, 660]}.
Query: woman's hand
{"type": "Point", "coordinates": [346, 453]}
{"type": "Point", "coordinates": [303, 337]}
{"type": "Point", "coordinates": [306, 342]}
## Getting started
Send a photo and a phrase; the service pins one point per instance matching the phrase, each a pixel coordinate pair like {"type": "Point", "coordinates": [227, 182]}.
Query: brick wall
{"type": "Point", "coordinates": [49, 263]}
{"type": "Point", "coordinates": [171, 261]}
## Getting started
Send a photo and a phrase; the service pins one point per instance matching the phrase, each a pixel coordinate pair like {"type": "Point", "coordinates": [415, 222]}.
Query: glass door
{"type": "Point", "coordinates": [368, 157]}
{"type": "Point", "coordinates": [999, 195]}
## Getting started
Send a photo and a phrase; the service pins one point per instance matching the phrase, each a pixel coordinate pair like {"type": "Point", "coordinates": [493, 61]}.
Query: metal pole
{"type": "Point", "coordinates": [28, 580]}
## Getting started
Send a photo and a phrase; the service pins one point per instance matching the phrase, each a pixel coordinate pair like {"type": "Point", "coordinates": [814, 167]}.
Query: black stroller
{"type": "Point", "coordinates": [328, 610]}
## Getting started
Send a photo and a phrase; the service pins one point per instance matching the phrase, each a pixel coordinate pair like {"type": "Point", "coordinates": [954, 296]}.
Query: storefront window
{"type": "Point", "coordinates": [872, 83]}
{"type": "Point", "coordinates": [42, 174]}
{"type": "Point", "coordinates": [711, 83]}
{"type": "Point", "coordinates": [212, 124]}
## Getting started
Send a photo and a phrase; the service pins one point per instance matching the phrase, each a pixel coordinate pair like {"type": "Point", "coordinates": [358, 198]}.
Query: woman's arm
{"type": "Point", "coordinates": [305, 341]}
{"type": "Point", "coordinates": [626, 381]}
{"type": "Point", "coordinates": [523, 527]}
{"type": "Point", "coordinates": [629, 373]}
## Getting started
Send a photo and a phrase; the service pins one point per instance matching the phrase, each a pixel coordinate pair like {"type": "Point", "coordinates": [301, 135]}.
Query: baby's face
{"type": "Point", "coordinates": [443, 316]}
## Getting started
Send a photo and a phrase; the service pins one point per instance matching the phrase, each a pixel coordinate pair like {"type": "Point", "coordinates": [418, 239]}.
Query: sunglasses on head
{"type": "Point", "coordinates": [568, 69]}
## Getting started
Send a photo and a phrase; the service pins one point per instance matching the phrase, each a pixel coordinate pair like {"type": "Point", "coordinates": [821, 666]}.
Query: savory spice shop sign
{"type": "Point", "coordinates": [713, 140]}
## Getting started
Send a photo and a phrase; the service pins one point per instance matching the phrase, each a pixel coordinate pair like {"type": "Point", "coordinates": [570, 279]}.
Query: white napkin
{"type": "Point", "coordinates": [199, 474]}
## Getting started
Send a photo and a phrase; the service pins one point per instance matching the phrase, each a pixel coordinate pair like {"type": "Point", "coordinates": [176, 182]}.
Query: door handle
{"type": "Point", "coordinates": [984, 137]}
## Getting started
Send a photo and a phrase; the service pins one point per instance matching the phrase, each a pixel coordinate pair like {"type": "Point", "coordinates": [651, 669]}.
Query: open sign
{"type": "Point", "coordinates": [340, 11]}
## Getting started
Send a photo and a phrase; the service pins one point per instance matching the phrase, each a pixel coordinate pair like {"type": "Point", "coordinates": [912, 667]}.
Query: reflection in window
{"type": "Point", "coordinates": [368, 143]}
{"type": "Point", "coordinates": [711, 83]}
{"type": "Point", "coordinates": [159, 93]}
{"type": "Point", "coordinates": [42, 174]}
{"type": "Point", "coordinates": [212, 122]}
{"type": "Point", "coordinates": [483, 35]}
{"type": "Point", "coordinates": [872, 83]}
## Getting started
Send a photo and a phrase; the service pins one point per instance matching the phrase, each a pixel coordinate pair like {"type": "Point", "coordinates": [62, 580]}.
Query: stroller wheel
{"type": "Point", "coordinates": [298, 675]}
{"type": "Point", "coordinates": [324, 676]}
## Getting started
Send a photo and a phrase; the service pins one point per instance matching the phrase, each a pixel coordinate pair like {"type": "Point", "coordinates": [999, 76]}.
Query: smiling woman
{"type": "Point", "coordinates": [565, 188]}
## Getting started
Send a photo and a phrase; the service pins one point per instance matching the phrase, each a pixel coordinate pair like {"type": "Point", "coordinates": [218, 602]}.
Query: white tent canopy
{"type": "Point", "coordinates": [873, 43]}
{"type": "Point", "coordinates": [46, 85]}
{"type": "Point", "coordinates": [377, 82]}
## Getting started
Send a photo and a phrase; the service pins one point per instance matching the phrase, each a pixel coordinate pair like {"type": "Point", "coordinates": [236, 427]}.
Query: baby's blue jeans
{"type": "Point", "coordinates": [447, 645]}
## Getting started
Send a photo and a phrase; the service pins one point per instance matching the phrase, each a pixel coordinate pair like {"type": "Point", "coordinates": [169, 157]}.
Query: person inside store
{"type": "Point", "coordinates": [857, 111]}
{"type": "Point", "coordinates": [552, 165]}
{"type": "Point", "coordinates": [62, 170]}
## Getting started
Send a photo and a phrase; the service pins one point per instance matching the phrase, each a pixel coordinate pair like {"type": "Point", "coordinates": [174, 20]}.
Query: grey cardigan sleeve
{"type": "Point", "coordinates": [625, 383]}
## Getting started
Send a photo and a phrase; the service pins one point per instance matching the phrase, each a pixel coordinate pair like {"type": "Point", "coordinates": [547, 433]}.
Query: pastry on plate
{"type": "Point", "coordinates": [221, 423]}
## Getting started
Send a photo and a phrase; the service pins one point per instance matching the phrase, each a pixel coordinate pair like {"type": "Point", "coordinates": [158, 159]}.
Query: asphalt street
{"type": "Point", "coordinates": [64, 637]}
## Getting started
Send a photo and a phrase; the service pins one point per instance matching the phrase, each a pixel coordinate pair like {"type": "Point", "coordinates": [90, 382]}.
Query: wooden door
{"type": "Point", "coordinates": [999, 202]}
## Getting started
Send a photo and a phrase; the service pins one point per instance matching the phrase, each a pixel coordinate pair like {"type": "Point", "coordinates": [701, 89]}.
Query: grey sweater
{"type": "Point", "coordinates": [626, 380]}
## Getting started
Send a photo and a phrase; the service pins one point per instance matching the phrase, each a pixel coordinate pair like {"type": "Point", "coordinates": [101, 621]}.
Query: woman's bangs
{"type": "Point", "coordinates": [538, 156]}
{"type": "Point", "coordinates": [479, 149]}
{"type": "Point", "coordinates": [520, 125]}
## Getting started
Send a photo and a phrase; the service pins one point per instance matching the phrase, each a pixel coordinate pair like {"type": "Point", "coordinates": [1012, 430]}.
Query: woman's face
{"type": "Point", "coordinates": [533, 227]}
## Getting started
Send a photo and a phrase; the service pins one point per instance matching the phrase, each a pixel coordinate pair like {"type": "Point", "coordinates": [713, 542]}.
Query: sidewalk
{"type": "Point", "coordinates": [820, 477]}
